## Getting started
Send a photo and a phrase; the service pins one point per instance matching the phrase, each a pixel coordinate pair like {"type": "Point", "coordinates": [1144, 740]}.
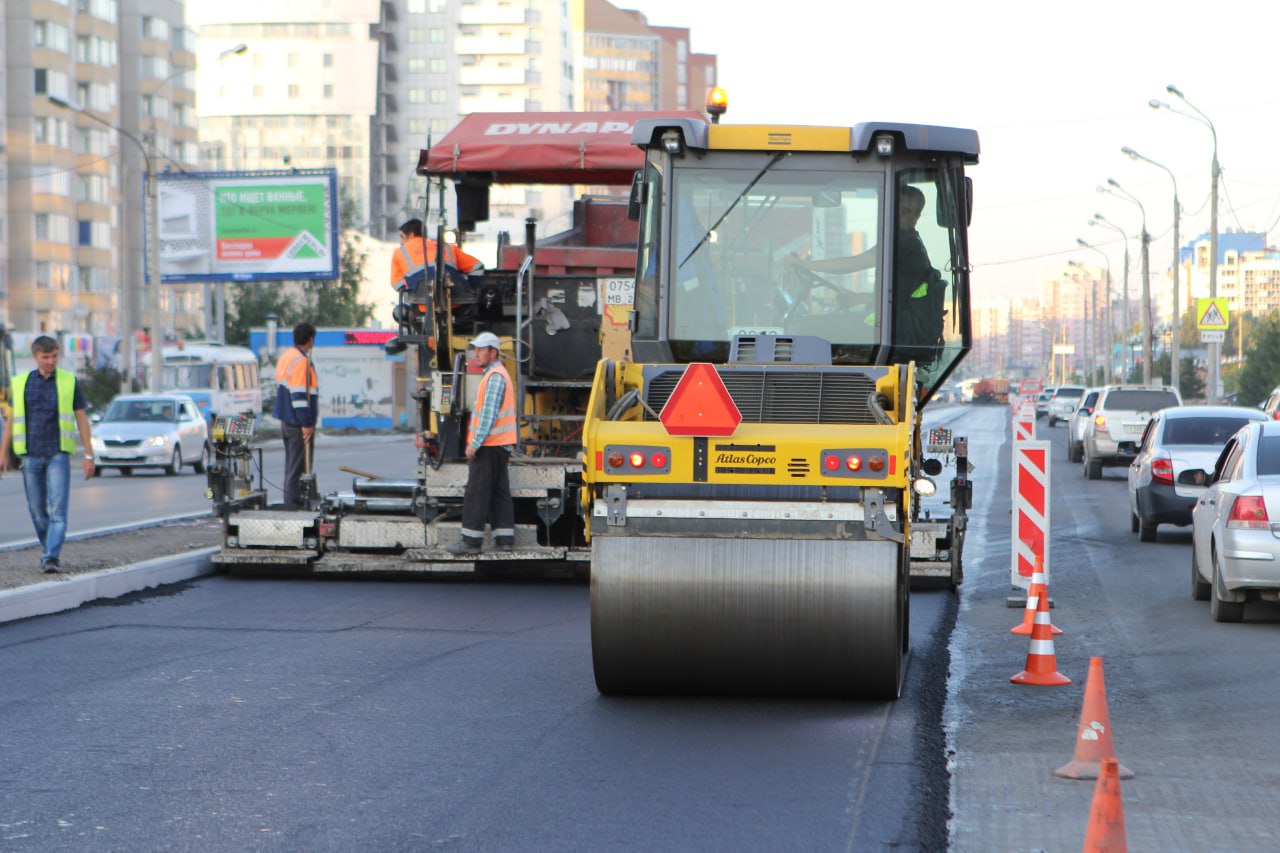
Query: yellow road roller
{"type": "Point", "coordinates": [753, 468]}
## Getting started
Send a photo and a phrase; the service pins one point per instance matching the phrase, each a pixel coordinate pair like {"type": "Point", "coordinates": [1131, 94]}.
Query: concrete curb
{"type": "Point", "coordinates": [68, 593]}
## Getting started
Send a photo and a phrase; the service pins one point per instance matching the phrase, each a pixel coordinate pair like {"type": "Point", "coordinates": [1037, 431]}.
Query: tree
{"type": "Point", "coordinates": [1190, 381]}
{"type": "Point", "coordinates": [1258, 375]}
{"type": "Point", "coordinates": [251, 304]}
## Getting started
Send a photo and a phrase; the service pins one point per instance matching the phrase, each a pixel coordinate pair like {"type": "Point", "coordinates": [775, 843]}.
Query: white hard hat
{"type": "Point", "coordinates": [486, 339]}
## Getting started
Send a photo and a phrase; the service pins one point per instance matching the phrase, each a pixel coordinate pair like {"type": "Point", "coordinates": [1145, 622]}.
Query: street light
{"type": "Point", "coordinates": [1099, 219]}
{"type": "Point", "coordinates": [1111, 361]}
{"type": "Point", "coordinates": [153, 248]}
{"type": "Point", "coordinates": [1214, 366]}
{"type": "Point", "coordinates": [1115, 189]}
{"type": "Point", "coordinates": [1177, 306]}
{"type": "Point", "coordinates": [215, 314]}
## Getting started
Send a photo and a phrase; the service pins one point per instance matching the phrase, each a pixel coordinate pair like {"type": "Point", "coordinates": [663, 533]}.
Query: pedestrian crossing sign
{"type": "Point", "coordinates": [1211, 313]}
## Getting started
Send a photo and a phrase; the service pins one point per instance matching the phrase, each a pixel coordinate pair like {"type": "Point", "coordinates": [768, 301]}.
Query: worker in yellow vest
{"type": "Point", "coordinates": [490, 437]}
{"type": "Point", "coordinates": [297, 406]}
{"type": "Point", "coordinates": [48, 410]}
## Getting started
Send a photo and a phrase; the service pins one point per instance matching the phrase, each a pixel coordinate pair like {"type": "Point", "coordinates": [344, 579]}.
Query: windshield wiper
{"type": "Point", "coordinates": [767, 166]}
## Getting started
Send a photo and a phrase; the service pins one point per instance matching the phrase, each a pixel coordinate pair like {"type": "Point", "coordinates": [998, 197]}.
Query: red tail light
{"type": "Point", "coordinates": [1275, 416]}
{"type": "Point", "coordinates": [1249, 512]}
{"type": "Point", "coordinates": [1162, 471]}
{"type": "Point", "coordinates": [1100, 421]}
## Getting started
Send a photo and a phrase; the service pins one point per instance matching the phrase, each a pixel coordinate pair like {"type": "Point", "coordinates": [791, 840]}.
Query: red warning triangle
{"type": "Point", "coordinates": [700, 404]}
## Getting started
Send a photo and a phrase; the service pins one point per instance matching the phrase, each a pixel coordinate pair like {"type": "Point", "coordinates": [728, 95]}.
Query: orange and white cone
{"type": "Point", "coordinates": [1042, 664]}
{"type": "Point", "coordinates": [1105, 833]}
{"type": "Point", "coordinates": [1037, 589]}
{"type": "Point", "coordinates": [1093, 740]}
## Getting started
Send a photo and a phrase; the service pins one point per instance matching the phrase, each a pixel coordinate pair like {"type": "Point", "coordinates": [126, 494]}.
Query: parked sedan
{"type": "Point", "coordinates": [151, 431]}
{"type": "Point", "coordinates": [1235, 547]}
{"type": "Point", "coordinates": [1177, 440]}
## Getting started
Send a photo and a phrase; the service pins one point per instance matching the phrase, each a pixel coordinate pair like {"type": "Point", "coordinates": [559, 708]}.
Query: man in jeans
{"type": "Point", "coordinates": [48, 408]}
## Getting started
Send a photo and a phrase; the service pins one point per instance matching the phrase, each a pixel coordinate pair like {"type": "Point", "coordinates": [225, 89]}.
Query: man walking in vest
{"type": "Point", "coordinates": [490, 437]}
{"type": "Point", "coordinates": [48, 409]}
{"type": "Point", "coordinates": [297, 405]}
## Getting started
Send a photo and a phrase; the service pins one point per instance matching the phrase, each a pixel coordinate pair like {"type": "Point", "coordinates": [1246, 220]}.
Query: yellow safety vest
{"type": "Point", "coordinates": [66, 381]}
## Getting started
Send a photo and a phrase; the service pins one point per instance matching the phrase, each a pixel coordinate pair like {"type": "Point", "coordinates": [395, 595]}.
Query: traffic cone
{"type": "Point", "coordinates": [1042, 664]}
{"type": "Point", "coordinates": [1093, 742]}
{"type": "Point", "coordinates": [1038, 588]}
{"type": "Point", "coordinates": [1106, 814]}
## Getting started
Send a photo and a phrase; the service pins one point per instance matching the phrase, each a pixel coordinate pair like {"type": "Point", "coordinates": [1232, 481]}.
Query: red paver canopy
{"type": "Point", "coordinates": [543, 148]}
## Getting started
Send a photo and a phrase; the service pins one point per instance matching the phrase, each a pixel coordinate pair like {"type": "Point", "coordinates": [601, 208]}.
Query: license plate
{"type": "Point", "coordinates": [1134, 429]}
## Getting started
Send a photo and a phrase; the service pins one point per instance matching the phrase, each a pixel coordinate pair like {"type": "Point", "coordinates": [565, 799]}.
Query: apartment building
{"type": "Point", "coordinates": [96, 93]}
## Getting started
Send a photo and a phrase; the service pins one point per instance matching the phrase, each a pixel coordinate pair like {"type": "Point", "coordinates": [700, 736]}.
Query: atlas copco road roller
{"type": "Point", "coordinates": [753, 475]}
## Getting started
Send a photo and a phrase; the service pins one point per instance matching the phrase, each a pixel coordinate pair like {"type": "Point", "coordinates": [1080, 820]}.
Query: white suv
{"type": "Point", "coordinates": [1064, 402]}
{"type": "Point", "coordinates": [1111, 436]}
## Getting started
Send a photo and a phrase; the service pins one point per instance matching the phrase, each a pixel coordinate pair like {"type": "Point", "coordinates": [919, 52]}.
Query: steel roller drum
{"type": "Point", "coordinates": [747, 616]}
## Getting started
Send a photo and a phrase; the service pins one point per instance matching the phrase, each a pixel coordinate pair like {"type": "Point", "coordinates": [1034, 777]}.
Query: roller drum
{"type": "Point", "coordinates": [748, 616]}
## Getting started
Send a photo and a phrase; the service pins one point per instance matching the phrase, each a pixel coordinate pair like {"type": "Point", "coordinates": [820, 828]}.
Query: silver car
{"type": "Point", "coordinates": [151, 431]}
{"type": "Point", "coordinates": [1177, 440]}
{"type": "Point", "coordinates": [1235, 545]}
{"type": "Point", "coordinates": [1079, 420]}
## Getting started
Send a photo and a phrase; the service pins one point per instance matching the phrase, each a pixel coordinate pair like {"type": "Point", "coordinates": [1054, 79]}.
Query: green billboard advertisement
{"type": "Point", "coordinates": [248, 226]}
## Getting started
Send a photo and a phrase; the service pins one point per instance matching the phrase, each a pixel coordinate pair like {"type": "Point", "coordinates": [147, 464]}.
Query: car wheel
{"type": "Point", "coordinates": [1199, 589]}
{"type": "Point", "coordinates": [1133, 522]}
{"type": "Point", "coordinates": [1075, 451]}
{"type": "Point", "coordinates": [97, 472]}
{"type": "Point", "coordinates": [1146, 532]}
{"type": "Point", "coordinates": [1093, 468]}
{"type": "Point", "coordinates": [202, 464]}
{"type": "Point", "coordinates": [126, 472]}
{"type": "Point", "coordinates": [175, 463]}
{"type": "Point", "coordinates": [1223, 611]}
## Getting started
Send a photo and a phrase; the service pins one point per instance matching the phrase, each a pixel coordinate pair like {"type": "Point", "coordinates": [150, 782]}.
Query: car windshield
{"type": "Point", "coordinates": [1071, 392]}
{"type": "Point", "coordinates": [1140, 400]}
{"type": "Point", "coordinates": [1269, 454]}
{"type": "Point", "coordinates": [1202, 431]}
{"type": "Point", "coordinates": [159, 411]}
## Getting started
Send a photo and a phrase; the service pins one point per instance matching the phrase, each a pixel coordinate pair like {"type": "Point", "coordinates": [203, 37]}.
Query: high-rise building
{"type": "Point", "coordinates": [96, 92]}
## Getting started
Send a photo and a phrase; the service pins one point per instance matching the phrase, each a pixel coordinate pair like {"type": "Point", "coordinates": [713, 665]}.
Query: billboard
{"type": "Point", "coordinates": [248, 226]}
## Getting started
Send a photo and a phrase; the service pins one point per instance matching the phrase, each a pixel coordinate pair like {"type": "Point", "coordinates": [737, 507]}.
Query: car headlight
{"type": "Point", "coordinates": [156, 441]}
{"type": "Point", "coordinates": [97, 443]}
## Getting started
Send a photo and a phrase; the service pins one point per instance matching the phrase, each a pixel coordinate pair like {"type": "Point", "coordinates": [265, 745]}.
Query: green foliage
{"type": "Point", "coordinates": [1261, 372]}
{"type": "Point", "coordinates": [100, 386]}
{"type": "Point", "coordinates": [253, 302]}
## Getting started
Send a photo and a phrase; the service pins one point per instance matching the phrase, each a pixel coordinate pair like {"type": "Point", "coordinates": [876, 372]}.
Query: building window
{"type": "Point", "coordinates": [439, 66]}
{"type": "Point", "coordinates": [51, 35]}
{"type": "Point", "coordinates": [417, 96]}
{"type": "Point", "coordinates": [435, 35]}
{"type": "Point", "coordinates": [328, 60]}
{"type": "Point", "coordinates": [257, 90]}
{"type": "Point", "coordinates": [439, 96]}
{"type": "Point", "coordinates": [416, 7]}
{"type": "Point", "coordinates": [328, 90]}
{"type": "Point", "coordinates": [293, 60]}
{"type": "Point", "coordinates": [417, 65]}
{"type": "Point", "coordinates": [155, 28]}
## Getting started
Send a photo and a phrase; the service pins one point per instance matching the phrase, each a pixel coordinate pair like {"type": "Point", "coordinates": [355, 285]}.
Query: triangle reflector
{"type": "Point", "coordinates": [700, 404]}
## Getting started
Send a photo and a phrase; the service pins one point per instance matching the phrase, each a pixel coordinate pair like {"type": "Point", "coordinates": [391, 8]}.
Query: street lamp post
{"type": "Point", "coordinates": [1110, 370]}
{"type": "Point", "coordinates": [215, 312]}
{"type": "Point", "coordinates": [1214, 365]}
{"type": "Point", "coordinates": [1099, 219]}
{"type": "Point", "coordinates": [153, 240]}
{"type": "Point", "coordinates": [1115, 189]}
{"type": "Point", "coordinates": [1177, 306]}
{"type": "Point", "coordinates": [1090, 327]}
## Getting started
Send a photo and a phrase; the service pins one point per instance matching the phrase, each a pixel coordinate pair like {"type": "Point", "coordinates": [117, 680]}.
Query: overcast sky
{"type": "Point", "coordinates": [1054, 90]}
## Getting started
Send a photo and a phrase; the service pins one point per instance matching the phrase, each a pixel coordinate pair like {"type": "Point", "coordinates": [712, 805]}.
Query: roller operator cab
{"type": "Point", "coordinates": [752, 475]}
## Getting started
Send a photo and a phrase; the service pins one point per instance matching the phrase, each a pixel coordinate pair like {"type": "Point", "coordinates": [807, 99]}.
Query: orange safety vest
{"type": "Point", "coordinates": [411, 258]}
{"type": "Point", "coordinates": [503, 431]}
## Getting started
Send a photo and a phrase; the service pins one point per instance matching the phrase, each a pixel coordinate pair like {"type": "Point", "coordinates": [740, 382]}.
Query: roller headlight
{"type": "Point", "coordinates": [924, 487]}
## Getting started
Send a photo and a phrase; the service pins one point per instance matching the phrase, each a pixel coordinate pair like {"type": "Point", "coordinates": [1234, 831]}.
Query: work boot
{"type": "Point", "coordinates": [504, 543]}
{"type": "Point", "coordinates": [464, 546]}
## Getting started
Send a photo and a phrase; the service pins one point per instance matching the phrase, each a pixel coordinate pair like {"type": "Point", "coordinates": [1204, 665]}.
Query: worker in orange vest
{"type": "Point", "coordinates": [297, 406]}
{"type": "Point", "coordinates": [490, 437]}
{"type": "Point", "coordinates": [413, 263]}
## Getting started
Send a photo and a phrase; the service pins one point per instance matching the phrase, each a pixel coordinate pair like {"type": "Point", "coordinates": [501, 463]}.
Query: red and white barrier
{"type": "Point", "coordinates": [1030, 511]}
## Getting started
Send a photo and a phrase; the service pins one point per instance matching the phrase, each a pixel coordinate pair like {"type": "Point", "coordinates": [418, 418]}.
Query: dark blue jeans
{"type": "Point", "coordinates": [48, 482]}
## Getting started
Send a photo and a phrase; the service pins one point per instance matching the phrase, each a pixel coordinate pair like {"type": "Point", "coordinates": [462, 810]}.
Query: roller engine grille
{"type": "Point", "coordinates": [782, 397]}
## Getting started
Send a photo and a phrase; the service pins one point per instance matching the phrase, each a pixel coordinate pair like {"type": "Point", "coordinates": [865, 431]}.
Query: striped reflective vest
{"type": "Point", "coordinates": [66, 382]}
{"type": "Point", "coordinates": [503, 431]}
{"type": "Point", "coordinates": [297, 391]}
{"type": "Point", "coordinates": [412, 264]}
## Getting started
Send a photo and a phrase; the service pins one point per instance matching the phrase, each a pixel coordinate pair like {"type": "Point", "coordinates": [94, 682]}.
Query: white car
{"type": "Point", "coordinates": [151, 431]}
{"type": "Point", "coordinates": [1064, 402]}
{"type": "Point", "coordinates": [1119, 419]}
{"type": "Point", "coordinates": [1235, 552]}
